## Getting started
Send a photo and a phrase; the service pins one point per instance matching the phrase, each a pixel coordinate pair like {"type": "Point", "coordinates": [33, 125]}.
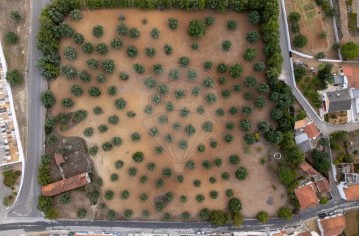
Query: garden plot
{"type": "Point", "coordinates": [169, 116]}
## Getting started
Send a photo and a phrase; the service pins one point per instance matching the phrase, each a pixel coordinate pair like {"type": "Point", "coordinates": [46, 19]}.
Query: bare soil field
{"type": "Point", "coordinates": [351, 222]}
{"type": "Point", "coordinates": [260, 191]}
{"type": "Point", "coordinates": [16, 56]}
{"type": "Point", "coordinates": [311, 23]}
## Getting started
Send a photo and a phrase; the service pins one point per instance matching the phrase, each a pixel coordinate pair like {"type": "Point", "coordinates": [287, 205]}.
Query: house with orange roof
{"type": "Point", "coordinates": [65, 185]}
{"type": "Point", "coordinates": [306, 133]}
{"type": "Point", "coordinates": [331, 226]}
{"type": "Point", "coordinates": [321, 183]}
{"type": "Point", "coordinates": [307, 195]}
{"type": "Point", "coordinates": [348, 181]}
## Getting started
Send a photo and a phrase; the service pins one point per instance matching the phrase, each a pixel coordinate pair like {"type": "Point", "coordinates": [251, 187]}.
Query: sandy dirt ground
{"type": "Point", "coordinates": [16, 56]}
{"type": "Point", "coordinates": [261, 185]}
{"type": "Point", "coordinates": [351, 222]}
{"type": "Point", "coordinates": [311, 24]}
{"type": "Point", "coordinates": [347, 37]}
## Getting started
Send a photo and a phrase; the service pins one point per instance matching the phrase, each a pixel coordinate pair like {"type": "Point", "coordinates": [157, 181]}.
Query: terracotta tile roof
{"type": "Point", "coordinates": [305, 233]}
{"type": "Point", "coordinates": [322, 185]}
{"type": "Point", "coordinates": [352, 192]}
{"type": "Point", "coordinates": [306, 167]}
{"type": "Point", "coordinates": [59, 158]}
{"type": "Point", "coordinates": [311, 130]}
{"type": "Point", "coordinates": [307, 196]}
{"type": "Point", "coordinates": [352, 73]}
{"type": "Point", "coordinates": [300, 123]}
{"type": "Point", "coordinates": [347, 70]}
{"type": "Point", "coordinates": [65, 185]}
{"type": "Point", "coordinates": [333, 226]}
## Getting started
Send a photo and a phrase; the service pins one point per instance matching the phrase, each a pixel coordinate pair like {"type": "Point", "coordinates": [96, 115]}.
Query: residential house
{"type": "Point", "coordinates": [348, 182]}
{"type": "Point", "coordinates": [305, 134]}
{"type": "Point", "coordinates": [331, 226]}
{"type": "Point", "coordinates": [307, 195]}
{"type": "Point", "coordinates": [321, 183]}
{"type": "Point", "coordinates": [339, 100]}
{"type": "Point", "coordinates": [65, 185]}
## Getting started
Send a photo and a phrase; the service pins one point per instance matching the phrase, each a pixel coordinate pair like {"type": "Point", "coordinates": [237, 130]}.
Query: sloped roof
{"type": "Point", "coordinates": [307, 196]}
{"type": "Point", "coordinates": [65, 185]}
{"type": "Point", "coordinates": [59, 158]}
{"type": "Point", "coordinates": [311, 130]}
{"type": "Point", "coordinates": [322, 185]}
{"type": "Point", "coordinates": [301, 138]}
{"type": "Point", "coordinates": [339, 100]}
{"type": "Point", "coordinates": [352, 192]}
{"type": "Point", "coordinates": [305, 233]}
{"type": "Point", "coordinates": [339, 80]}
{"type": "Point", "coordinates": [305, 146]}
{"type": "Point", "coordinates": [300, 123]}
{"type": "Point", "coordinates": [333, 226]}
{"type": "Point", "coordinates": [306, 167]}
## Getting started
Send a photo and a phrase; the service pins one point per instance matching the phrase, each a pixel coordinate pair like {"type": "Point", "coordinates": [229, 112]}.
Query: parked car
{"type": "Point", "coordinates": [322, 215]}
{"type": "Point", "coordinates": [331, 213]}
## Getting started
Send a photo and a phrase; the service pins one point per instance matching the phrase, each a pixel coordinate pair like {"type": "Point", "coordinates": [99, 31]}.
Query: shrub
{"type": "Point", "coordinates": [247, 110]}
{"type": "Point", "coordinates": [167, 172]}
{"type": "Point", "coordinates": [231, 24]}
{"type": "Point", "coordinates": [69, 72]}
{"type": "Point", "coordinates": [226, 45]}
{"type": "Point", "coordinates": [180, 178]}
{"type": "Point", "coordinates": [208, 82]}
{"type": "Point", "coordinates": [197, 183]}
{"type": "Point", "coordinates": [139, 68]}
{"type": "Point", "coordinates": [143, 179]}
{"type": "Point", "coordinates": [15, 16]}
{"type": "Point", "coordinates": [196, 29]}
{"type": "Point", "coordinates": [172, 23]}
{"type": "Point", "coordinates": [234, 205]}
{"type": "Point", "coordinates": [295, 28]}
{"type": "Point", "coordinates": [114, 177]}
{"type": "Point", "coordinates": [150, 52]}
{"type": "Point", "coordinates": [319, 55]}
{"type": "Point", "coordinates": [122, 29]}
{"type": "Point", "coordinates": [204, 214]}
{"type": "Point", "coordinates": [241, 173]}
{"type": "Point", "coordinates": [300, 41]}
{"type": "Point", "coordinates": [168, 49]}
{"type": "Point", "coordinates": [107, 146]}
{"type": "Point", "coordinates": [93, 150]}
{"type": "Point", "coordinates": [157, 69]}
{"type": "Point", "coordinates": [125, 194]}
{"type": "Point", "coordinates": [84, 76]}
{"type": "Point", "coordinates": [97, 110]}
{"type": "Point", "coordinates": [78, 38]}
{"type": "Point", "coordinates": [237, 88]}
{"type": "Point", "coordinates": [253, 17]}
{"type": "Point", "coordinates": [116, 43]}
{"type": "Point", "coordinates": [234, 159]}
{"type": "Point", "coordinates": [128, 213]}
{"type": "Point", "coordinates": [225, 175]}
{"type": "Point", "coordinates": [67, 102]}
{"type": "Point", "coordinates": [155, 33]}
{"type": "Point", "coordinates": [119, 164]}
{"type": "Point", "coordinates": [194, 46]}
{"type": "Point", "coordinates": [294, 17]}
{"type": "Point", "coordinates": [260, 102]}
{"type": "Point", "coordinates": [200, 198]}
{"type": "Point", "coordinates": [112, 90]}
{"type": "Point", "coordinates": [97, 31]}
{"type": "Point", "coordinates": [134, 33]}
{"type": "Point", "coordinates": [102, 128]}
{"type": "Point", "coordinates": [207, 65]}
{"type": "Point", "coordinates": [263, 217]}
{"type": "Point", "coordinates": [143, 197]}
{"type": "Point", "coordinates": [350, 51]}
{"type": "Point", "coordinates": [135, 137]}
{"type": "Point", "coordinates": [138, 157]}
{"type": "Point", "coordinates": [92, 63]}
{"type": "Point", "coordinates": [14, 77]}
{"type": "Point", "coordinates": [124, 76]}
{"type": "Point", "coordinates": [88, 132]}
{"type": "Point", "coordinates": [87, 48]}
{"type": "Point", "coordinates": [201, 148]}
{"type": "Point", "coordinates": [184, 61]}
{"type": "Point", "coordinates": [252, 36]}
{"type": "Point", "coordinates": [117, 141]}
{"type": "Point", "coordinates": [213, 194]}
{"type": "Point", "coordinates": [65, 198]}
{"type": "Point", "coordinates": [229, 193]}
{"type": "Point", "coordinates": [94, 92]}
{"type": "Point", "coordinates": [209, 20]}
{"type": "Point", "coordinates": [222, 68]}
{"type": "Point", "coordinates": [259, 67]}
{"type": "Point", "coordinates": [213, 143]}
{"type": "Point", "coordinates": [159, 183]}
{"type": "Point", "coordinates": [285, 213]}
{"type": "Point", "coordinates": [159, 150]}
{"type": "Point", "coordinates": [11, 38]}
{"type": "Point", "coordinates": [249, 139]}
{"type": "Point", "coordinates": [233, 110]}
{"type": "Point", "coordinates": [70, 53]}
{"type": "Point", "coordinates": [236, 70]}
{"type": "Point", "coordinates": [81, 213]}
{"type": "Point", "coordinates": [207, 126]}
{"type": "Point", "coordinates": [120, 103]}
{"type": "Point", "coordinates": [248, 96]}
{"type": "Point", "coordinates": [131, 51]}
{"type": "Point", "coordinates": [206, 164]}
{"type": "Point", "coordinates": [323, 35]}
{"type": "Point", "coordinates": [108, 65]}
{"type": "Point", "coordinates": [102, 48]}
{"type": "Point", "coordinates": [250, 54]}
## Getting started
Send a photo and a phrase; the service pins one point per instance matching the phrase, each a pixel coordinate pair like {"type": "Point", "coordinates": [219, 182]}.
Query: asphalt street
{"type": "Point", "coordinates": [26, 204]}
{"type": "Point", "coordinates": [27, 201]}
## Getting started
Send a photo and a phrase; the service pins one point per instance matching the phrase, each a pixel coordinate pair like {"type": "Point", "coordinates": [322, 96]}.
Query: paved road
{"type": "Point", "coordinates": [27, 201]}
{"type": "Point", "coordinates": [189, 227]}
